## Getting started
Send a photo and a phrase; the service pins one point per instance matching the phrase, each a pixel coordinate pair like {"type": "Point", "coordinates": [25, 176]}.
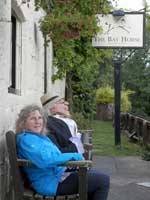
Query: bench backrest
{"type": "Point", "coordinates": [14, 168]}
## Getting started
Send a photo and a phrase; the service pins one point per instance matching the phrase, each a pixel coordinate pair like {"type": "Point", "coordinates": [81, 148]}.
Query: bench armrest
{"type": "Point", "coordinates": [88, 146]}
{"type": "Point", "coordinates": [81, 163]}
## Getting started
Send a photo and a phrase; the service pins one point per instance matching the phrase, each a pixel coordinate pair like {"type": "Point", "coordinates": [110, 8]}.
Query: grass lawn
{"type": "Point", "coordinates": [104, 143]}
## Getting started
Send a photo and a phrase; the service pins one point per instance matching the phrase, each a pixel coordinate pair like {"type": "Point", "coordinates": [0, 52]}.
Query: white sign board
{"type": "Point", "coordinates": [125, 31]}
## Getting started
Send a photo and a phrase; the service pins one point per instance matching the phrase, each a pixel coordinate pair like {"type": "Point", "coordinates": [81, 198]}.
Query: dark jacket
{"type": "Point", "coordinates": [59, 133]}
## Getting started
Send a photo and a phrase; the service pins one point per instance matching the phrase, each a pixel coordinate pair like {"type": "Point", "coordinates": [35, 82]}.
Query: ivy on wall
{"type": "Point", "coordinates": [71, 24]}
{"type": "Point", "coordinates": [66, 23]}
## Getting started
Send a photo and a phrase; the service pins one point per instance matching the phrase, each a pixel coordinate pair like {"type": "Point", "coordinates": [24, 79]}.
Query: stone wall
{"type": "Point", "coordinates": [29, 73]}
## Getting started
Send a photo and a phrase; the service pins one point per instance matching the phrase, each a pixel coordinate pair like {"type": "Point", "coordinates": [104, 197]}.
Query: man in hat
{"type": "Point", "coordinates": [62, 129]}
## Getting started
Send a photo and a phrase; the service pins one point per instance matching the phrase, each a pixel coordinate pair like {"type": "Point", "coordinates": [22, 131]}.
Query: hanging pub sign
{"type": "Point", "coordinates": [120, 30]}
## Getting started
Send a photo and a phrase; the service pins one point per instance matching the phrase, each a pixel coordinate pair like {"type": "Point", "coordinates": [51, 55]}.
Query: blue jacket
{"type": "Point", "coordinates": [46, 157]}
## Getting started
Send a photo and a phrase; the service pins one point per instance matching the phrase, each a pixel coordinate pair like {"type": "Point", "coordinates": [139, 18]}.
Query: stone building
{"type": "Point", "coordinates": [25, 71]}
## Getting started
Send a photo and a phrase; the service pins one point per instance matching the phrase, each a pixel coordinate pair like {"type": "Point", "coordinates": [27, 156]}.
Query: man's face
{"type": "Point", "coordinates": [61, 107]}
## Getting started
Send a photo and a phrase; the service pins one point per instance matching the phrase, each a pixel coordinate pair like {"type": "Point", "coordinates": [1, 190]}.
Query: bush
{"type": "Point", "coordinates": [82, 122]}
{"type": "Point", "coordinates": [146, 155]}
{"type": "Point", "coordinates": [125, 102]}
{"type": "Point", "coordinates": [106, 95]}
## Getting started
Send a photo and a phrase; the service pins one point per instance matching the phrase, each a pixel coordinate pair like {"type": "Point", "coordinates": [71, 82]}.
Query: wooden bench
{"type": "Point", "coordinates": [21, 193]}
{"type": "Point", "coordinates": [86, 139]}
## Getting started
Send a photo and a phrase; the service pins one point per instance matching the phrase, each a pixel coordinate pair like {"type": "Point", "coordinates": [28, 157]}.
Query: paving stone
{"type": "Point", "coordinates": [125, 173]}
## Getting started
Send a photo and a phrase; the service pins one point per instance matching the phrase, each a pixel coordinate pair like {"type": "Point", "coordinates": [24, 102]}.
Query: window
{"type": "Point", "coordinates": [16, 56]}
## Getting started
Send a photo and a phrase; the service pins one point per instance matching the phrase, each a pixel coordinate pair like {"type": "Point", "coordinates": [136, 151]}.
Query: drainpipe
{"type": "Point", "coordinates": [50, 5]}
{"type": "Point", "coordinates": [45, 65]}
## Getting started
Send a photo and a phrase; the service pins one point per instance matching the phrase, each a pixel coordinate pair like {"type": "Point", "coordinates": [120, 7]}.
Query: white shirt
{"type": "Point", "coordinates": [76, 136]}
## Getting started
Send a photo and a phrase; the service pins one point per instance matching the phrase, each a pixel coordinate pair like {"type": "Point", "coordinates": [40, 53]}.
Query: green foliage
{"type": "Point", "coordinates": [68, 23]}
{"type": "Point", "coordinates": [146, 155]}
{"type": "Point", "coordinates": [106, 71]}
{"type": "Point", "coordinates": [106, 95]}
{"type": "Point", "coordinates": [68, 26]}
{"type": "Point", "coordinates": [136, 73]}
{"type": "Point", "coordinates": [81, 121]}
{"type": "Point", "coordinates": [71, 24]}
{"type": "Point", "coordinates": [125, 102]}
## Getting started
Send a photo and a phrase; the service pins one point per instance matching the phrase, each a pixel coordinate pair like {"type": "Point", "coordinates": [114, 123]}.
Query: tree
{"type": "Point", "coordinates": [136, 73]}
{"type": "Point", "coordinates": [71, 24]}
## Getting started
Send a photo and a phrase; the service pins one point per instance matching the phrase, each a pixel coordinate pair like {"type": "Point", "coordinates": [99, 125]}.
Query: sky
{"type": "Point", "coordinates": [134, 5]}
